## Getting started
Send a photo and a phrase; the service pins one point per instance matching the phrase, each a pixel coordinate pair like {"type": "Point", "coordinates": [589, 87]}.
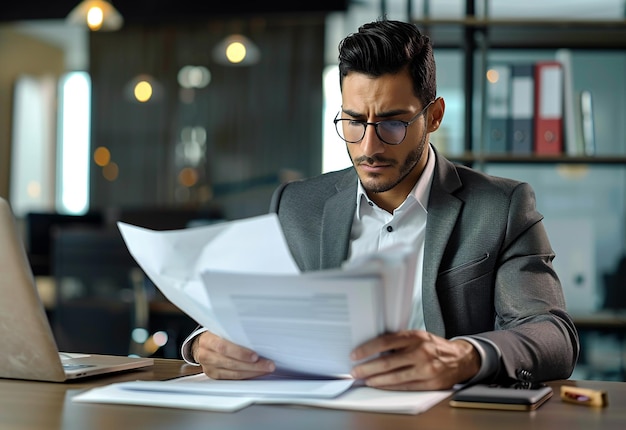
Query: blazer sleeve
{"type": "Point", "coordinates": [536, 336]}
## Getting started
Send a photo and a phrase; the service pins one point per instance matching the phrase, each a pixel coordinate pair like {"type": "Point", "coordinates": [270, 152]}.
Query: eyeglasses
{"type": "Point", "coordinates": [391, 132]}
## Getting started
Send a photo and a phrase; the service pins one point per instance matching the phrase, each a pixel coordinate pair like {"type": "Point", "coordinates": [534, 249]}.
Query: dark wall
{"type": "Point", "coordinates": [135, 11]}
{"type": "Point", "coordinates": [260, 120]}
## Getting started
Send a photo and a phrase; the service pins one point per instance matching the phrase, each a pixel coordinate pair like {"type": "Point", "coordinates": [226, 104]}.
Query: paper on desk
{"type": "Point", "coordinates": [371, 400]}
{"type": "Point", "coordinates": [195, 392]}
{"type": "Point", "coordinates": [116, 394]}
{"type": "Point", "coordinates": [259, 387]}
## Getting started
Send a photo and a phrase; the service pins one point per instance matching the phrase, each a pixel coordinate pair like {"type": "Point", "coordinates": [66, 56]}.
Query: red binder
{"type": "Point", "coordinates": [548, 108]}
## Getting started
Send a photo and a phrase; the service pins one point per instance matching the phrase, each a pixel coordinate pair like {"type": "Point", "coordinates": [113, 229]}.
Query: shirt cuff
{"type": "Point", "coordinates": [185, 349]}
{"type": "Point", "coordinates": [490, 357]}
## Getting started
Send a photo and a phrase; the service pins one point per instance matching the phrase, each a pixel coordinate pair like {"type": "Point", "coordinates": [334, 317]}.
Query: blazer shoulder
{"type": "Point", "coordinates": [455, 178]}
{"type": "Point", "coordinates": [326, 183]}
{"type": "Point", "coordinates": [478, 191]}
{"type": "Point", "coordinates": [477, 188]}
{"type": "Point", "coordinates": [314, 188]}
{"type": "Point", "coordinates": [476, 180]}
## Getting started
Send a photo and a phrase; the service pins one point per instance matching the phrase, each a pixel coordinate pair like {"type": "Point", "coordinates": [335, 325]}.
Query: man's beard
{"type": "Point", "coordinates": [407, 167]}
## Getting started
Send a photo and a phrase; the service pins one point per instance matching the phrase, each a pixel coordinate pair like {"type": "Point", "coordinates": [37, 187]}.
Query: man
{"type": "Point", "coordinates": [488, 305]}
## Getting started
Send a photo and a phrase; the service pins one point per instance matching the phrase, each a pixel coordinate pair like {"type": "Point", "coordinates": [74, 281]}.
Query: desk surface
{"type": "Point", "coordinates": [39, 405]}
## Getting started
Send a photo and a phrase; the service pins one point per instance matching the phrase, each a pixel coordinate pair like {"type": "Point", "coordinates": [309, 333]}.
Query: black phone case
{"type": "Point", "coordinates": [496, 397]}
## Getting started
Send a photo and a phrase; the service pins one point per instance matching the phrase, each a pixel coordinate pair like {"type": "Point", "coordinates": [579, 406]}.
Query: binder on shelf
{"type": "Point", "coordinates": [521, 136]}
{"type": "Point", "coordinates": [498, 92]}
{"type": "Point", "coordinates": [548, 108]}
{"type": "Point", "coordinates": [572, 131]}
{"type": "Point", "coordinates": [588, 133]}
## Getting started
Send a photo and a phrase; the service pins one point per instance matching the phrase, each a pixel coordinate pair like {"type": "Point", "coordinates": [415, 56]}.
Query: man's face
{"type": "Point", "coordinates": [381, 167]}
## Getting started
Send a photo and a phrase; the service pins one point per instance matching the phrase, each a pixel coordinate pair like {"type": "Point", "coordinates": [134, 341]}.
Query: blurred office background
{"type": "Point", "coordinates": [157, 119]}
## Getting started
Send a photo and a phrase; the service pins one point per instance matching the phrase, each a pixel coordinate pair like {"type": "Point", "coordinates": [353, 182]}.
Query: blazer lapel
{"type": "Point", "coordinates": [337, 222]}
{"type": "Point", "coordinates": [443, 210]}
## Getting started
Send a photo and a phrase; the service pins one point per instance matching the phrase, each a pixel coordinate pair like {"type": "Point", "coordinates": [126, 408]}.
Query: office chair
{"type": "Point", "coordinates": [100, 296]}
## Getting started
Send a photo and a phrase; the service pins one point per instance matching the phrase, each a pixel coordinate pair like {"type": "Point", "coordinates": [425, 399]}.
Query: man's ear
{"type": "Point", "coordinates": [435, 114]}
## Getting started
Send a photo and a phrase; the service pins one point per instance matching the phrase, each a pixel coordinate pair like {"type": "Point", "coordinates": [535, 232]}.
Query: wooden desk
{"type": "Point", "coordinates": [37, 405]}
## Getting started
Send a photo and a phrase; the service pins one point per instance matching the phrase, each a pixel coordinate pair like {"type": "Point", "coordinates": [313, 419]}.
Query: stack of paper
{"type": "Point", "coordinates": [238, 279]}
{"type": "Point", "coordinates": [200, 392]}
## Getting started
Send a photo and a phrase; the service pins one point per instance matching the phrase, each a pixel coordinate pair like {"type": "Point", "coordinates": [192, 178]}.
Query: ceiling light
{"type": "Point", "coordinates": [236, 50]}
{"type": "Point", "coordinates": [98, 15]}
{"type": "Point", "coordinates": [143, 88]}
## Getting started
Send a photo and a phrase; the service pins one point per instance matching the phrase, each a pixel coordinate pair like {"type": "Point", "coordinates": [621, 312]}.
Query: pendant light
{"type": "Point", "coordinates": [98, 15]}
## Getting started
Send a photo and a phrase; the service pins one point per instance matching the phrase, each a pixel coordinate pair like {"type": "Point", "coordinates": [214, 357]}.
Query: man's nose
{"type": "Point", "coordinates": [371, 143]}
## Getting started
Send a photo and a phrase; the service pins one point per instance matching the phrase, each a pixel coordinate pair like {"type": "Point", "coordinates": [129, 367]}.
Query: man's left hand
{"type": "Point", "coordinates": [415, 360]}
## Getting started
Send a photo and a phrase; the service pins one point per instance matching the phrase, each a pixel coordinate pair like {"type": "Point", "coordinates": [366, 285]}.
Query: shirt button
{"type": "Point", "coordinates": [370, 203]}
{"type": "Point", "coordinates": [389, 228]}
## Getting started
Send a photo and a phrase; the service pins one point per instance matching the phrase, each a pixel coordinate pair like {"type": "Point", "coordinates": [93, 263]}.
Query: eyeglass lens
{"type": "Point", "coordinates": [391, 132]}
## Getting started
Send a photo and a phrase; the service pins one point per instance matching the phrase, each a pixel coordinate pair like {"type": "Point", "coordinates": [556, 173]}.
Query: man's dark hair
{"type": "Point", "coordinates": [386, 46]}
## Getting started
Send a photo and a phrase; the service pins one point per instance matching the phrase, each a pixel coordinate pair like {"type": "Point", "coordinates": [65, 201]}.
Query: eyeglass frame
{"type": "Point", "coordinates": [377, 123]}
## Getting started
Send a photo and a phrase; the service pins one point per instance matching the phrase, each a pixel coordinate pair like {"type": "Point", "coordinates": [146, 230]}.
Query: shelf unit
{"type": "Point", "coordinates": [522, 33]}
{"type": "Point", "coordinates": [480, 35]}
{"type": "Point", "coordinates": [470, 158]}
{"type": "Point", "coordinates": [592, 190]}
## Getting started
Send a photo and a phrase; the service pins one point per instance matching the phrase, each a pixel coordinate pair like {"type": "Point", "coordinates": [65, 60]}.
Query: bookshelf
{"type": "Point", "coordinates": [471, 158]}
{"type": "Point", "coordinates": [525, 33]}
{"type": "Point", "coordinates": [480, 38]}
{"type": "Point", "coordinates": [583, 197]}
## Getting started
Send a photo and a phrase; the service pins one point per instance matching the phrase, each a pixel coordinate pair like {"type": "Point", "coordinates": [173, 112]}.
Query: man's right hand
{"type": "Point", "coordinates": [221, 359]}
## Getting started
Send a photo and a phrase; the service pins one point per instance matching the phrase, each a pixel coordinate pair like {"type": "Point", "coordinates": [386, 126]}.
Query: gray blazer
{"type": "Point", "coordinates": [487, 261]}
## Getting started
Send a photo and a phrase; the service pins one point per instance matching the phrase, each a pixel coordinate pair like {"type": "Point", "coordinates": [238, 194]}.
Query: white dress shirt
{"type": "Point", "coordinates": [374, 229]}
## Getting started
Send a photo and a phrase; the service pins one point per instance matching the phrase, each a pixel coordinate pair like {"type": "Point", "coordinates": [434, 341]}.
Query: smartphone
{"type": "Point", "coordinates": [483, 396]}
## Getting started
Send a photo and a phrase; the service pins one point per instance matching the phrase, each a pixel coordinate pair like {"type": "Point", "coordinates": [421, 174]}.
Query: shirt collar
{"type": "Point", "coordinates": [420, 192]}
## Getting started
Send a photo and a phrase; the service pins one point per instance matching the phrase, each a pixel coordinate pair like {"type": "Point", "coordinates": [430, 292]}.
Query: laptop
{"type": "Point", "coordinates": [28, 349]}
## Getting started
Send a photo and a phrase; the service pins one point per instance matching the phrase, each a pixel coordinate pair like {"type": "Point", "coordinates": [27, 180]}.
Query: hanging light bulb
{"type": "Point", "coordinates": [97, 15]}
{"type": "Point", "coordinates": [143, 88]}
{"type": "Point", "coordinates": [236, 50]}
{"type": "Point", "coordinates": [95, 18]}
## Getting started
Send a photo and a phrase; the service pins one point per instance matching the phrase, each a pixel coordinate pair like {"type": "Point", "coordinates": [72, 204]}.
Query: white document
{"type": "Point", "coordinates": [397, 265]}
{"type": "Point", "coordinates": [116, 394]}
{"type": "Point", "coordinates": [259, 387]}
{"type": "Point", "coordinates": [201, 392]}
{"type": "Point", "coordinates": [173, 260]}
{"type": "Point", "coordinates": [303, 323]}
{"type": "Point", "coordinates": [239, 280]}
{"type": "Point", "coordinates": [371, 400]}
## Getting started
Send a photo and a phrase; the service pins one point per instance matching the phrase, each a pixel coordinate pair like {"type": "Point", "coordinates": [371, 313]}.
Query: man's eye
{"type": "Point", "coordinates": [392, 124]}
